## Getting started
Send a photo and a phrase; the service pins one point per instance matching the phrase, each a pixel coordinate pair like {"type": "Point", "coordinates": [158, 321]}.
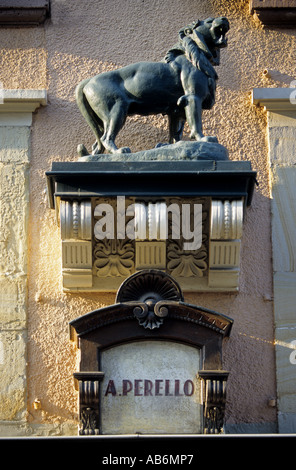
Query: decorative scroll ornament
{"type": "Point", "coordinates": [88, 422]}
{"type": "Point", "coordinates": [149, 290]}
{"type": "Point", "coordinates": [214, 400]}
{"type": "Point", "coordinates": [148, 316]}
{"type": "Point", "coordinates": [89, 418]}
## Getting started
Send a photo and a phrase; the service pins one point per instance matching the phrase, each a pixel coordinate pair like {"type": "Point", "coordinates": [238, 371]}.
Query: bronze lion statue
{"type": "Point", "coordinates": [180, 86]}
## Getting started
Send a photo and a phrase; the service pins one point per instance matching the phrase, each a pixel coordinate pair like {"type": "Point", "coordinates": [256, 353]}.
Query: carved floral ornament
{"type": "Point", "coordinates": [114, 258]}
{"type": "Point", "coordinates": [186, 264]}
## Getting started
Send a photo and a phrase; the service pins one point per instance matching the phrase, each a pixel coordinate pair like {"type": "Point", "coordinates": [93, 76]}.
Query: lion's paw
{"type": "Point", "coordinates": [209, 138]}
{"type": "Point", "coordinates": [82, 151]}
{"type": "Point", "coordinates": [160, 144]}
{"type": "Point", "coordinates": [123, 150]}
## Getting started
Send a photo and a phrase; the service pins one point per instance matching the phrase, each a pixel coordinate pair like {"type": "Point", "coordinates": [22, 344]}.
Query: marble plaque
{"type": "Point", "coordinates": [151, 387]}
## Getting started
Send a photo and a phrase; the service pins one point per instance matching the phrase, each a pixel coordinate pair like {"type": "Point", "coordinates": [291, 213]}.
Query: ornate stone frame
{"type": "Point", "coordinates": [180, 322]}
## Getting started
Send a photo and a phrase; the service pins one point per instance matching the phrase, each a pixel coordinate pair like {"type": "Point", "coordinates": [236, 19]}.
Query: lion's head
{"type": "Point", "coordinates": [218, 27]}
{"type": "Point", "coordinates": [209, 36]}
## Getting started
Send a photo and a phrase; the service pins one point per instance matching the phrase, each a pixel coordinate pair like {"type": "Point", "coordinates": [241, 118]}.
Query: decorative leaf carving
{"type": "Point", "coordinates": [114, 258]}
{"type": "Point", "coordinates": [186, 263]}
{"type": "Point", "coordinates": [88, 421]}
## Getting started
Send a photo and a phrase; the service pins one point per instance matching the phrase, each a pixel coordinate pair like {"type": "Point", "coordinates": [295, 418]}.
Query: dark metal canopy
{"type": "Point", "coordinates": [217, 179]}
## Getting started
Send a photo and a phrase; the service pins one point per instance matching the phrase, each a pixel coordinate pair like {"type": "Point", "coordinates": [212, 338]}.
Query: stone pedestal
{"type": "Point", "coordinates": [120, 193]}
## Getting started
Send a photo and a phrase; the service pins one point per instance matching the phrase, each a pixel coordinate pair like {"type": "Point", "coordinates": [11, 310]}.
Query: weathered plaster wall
{"type": "Point", "coordinates": [83, 39]}
{"type": "Point", "coordinates": [23, 58]}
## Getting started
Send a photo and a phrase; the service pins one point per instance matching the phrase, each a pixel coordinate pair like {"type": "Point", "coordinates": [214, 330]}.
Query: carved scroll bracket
{"type": "Point", "coordinates": [214, 399]}
{"type": "Point", "coordinates": [89, 398]}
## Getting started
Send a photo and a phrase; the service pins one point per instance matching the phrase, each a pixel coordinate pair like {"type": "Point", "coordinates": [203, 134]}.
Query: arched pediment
{"type": "Point", "coordinates": [153, 298]}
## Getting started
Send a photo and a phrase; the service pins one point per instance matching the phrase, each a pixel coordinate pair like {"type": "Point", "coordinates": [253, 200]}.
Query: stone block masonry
{"type": "Point", "coordinates": [15, 132]}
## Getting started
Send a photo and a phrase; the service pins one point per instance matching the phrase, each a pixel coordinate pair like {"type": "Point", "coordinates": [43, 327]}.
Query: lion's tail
{"type": "Point", "coordinates": [88, 114]}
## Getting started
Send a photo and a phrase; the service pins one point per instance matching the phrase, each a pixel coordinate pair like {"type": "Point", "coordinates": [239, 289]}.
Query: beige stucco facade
{"type": "Point", "coordinates": [81, 39]}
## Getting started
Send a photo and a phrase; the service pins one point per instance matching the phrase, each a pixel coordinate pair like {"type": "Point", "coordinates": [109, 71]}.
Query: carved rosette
{"type": "Point", "coordinates": [114, 258]}
{"type": "Point", "coordinates": [186, 263]}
